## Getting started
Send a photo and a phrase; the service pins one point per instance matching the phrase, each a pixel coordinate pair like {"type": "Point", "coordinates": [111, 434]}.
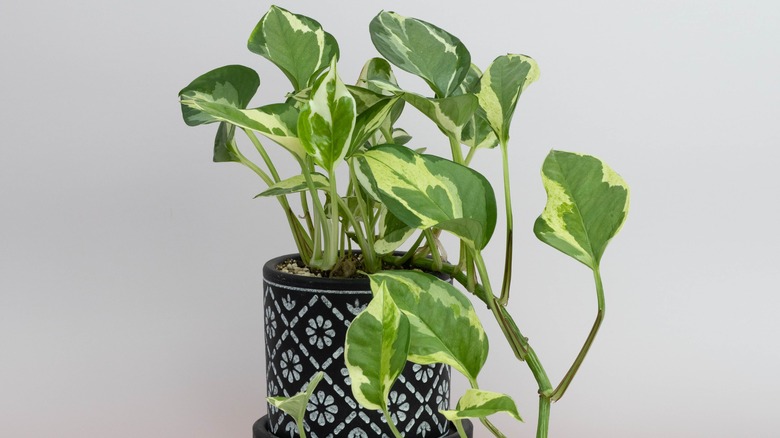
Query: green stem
{"type": "Point", "coordinates": [355, 225]}
{"type": "Point", "coordinates": [301, 430]}
{"type": "Point", "coordinates": [457, 152]}
{"type": "Point", "coordinates": [561, 389]}
{"type": "Point", "coordinates": [406, 257]}
{"type": "Point", "coordinates": [369, 256]}
{"type": "Point", "coordinates": [320, 231]}
{"type": "Point", "coordinates": [506, 284]}
{"type": "Point", "coordinates": [266, 159]}
{"type": "Point", "coordinates": [332, 238]}
{"type": "Point", "coordinates": [459, 428]}
{"type": "Point", "coordinates": [543, 424]}
{"type": "Point", "coordinates": [470, 155]}
{"type": "Point", "coordinates": [434, 249]}
{"type": "Point", "coordinates": [389, 419]}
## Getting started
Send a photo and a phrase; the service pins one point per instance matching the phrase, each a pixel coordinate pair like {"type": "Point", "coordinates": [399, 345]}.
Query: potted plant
{"type": "Point", "coordinates": [364, 191]}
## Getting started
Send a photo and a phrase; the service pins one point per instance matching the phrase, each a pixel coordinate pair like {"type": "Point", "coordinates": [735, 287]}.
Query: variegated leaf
{"type": "Point", "coordinates": [225, 143]}
{"type": "Point", "coordinates": [445, 327]}
{"type": "Point", "coordinates": [327, 121]}
{"type": "Point", "coordinates": [587, 203]}
{"type": "Point", "coordinates": [421, 49]}
{"type": "Point", "coordinates": [295, 43]}
{"type": "Point", "coordinates": [231, 85]}
{"type": "Point", "coordinates": [401, 137]}
{"type": "Point", "coordinates": [376, 350]}
{"type": "Point", "coordinates": [376, 69]}
{"type": "Point", "coordinates": [426, 191]}
{"type": "Point", "coordinates": [477, 132]}
{"type": "Point", "coordinates": [295, 406]}
{"type": "Point", "coordinates": [369, 121]}
{"type": "Point", "coordinates": [476, 403]}
{"type": "Point", "coordinates": [450, 114]}
{"type": "Point", "coordinates": [501, 86]}
{"type": "Point", "coordinates": [296, 184]}
{"type": "Point", "coordinates": [392, 234]}
{"type": "Point", "coordinates": [276, 121]}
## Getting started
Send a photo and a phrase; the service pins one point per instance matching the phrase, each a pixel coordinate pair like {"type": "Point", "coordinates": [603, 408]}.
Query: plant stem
{"type": "Point", "coordinates": [355, 225]}
{"type": "Point", "coordinates": [405, 258]}
{"type": "Point", "coordinates": [266, 159]}
{"type": "Point", "coordinates": [369, 256]}
{"type": "Point", "coordinates": [459, 428]}
{"type": "Point", "coordinates": [561, 389]}
{"type": "Point", "coordinates": [470, 155]}
{"type": "Point", "coordinates": [506, 284]}
{"type": "Point", "coordinates": [389, 419]}
{"type": "Point", "coordinates": [437, 263]}
{"type": "Point", "coordinates": [301, 430]}
{"type": "Point", "coordinates": [457, 152]}
{"type": "Point", "coordinates": [485, 422]}
{"type": "Point", "coordinates": [543, 424]}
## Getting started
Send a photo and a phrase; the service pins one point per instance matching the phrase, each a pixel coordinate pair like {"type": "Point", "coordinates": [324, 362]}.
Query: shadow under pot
{"type": "Point", "coordinates": [306, 322]}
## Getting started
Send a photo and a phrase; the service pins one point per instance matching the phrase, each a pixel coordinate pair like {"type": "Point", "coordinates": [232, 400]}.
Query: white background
{"type": "Point", "coordinates": [130, 298]}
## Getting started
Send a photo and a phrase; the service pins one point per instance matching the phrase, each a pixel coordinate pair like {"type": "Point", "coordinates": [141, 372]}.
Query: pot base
{"type": "Point", "coordinates": [260, 429]}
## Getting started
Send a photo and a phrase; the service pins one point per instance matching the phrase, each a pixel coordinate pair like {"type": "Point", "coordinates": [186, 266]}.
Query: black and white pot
{"type": "Point", "coordinates": [306, 321]}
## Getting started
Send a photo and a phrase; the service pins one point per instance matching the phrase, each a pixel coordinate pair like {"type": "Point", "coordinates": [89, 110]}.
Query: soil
{"type": "Point", "coordinates": [350, 266]}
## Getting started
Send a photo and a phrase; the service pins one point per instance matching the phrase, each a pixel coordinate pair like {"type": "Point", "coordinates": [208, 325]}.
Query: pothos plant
{"type": "Point", "coordinates": [364, 185]}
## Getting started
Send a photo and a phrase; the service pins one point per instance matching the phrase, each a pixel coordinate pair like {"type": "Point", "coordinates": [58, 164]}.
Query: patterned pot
{"type": "Point", "coordinates": [306, 321]}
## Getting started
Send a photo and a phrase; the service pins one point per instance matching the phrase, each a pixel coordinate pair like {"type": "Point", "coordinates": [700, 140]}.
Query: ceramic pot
{"type": "Point", "coordinates": [306, 321]}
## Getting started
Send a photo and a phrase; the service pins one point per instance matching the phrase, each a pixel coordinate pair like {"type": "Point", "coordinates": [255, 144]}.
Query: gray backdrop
{"type": "Point", "coordinates": [130, 264]}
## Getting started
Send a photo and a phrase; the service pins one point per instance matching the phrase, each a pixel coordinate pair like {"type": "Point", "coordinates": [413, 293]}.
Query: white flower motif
{"type": "Point", "coordinates": [291, 366]}
{"type": "Point", "coordinates": [399, 406]}
{"type": "Point", "coordinates": [443, 395]}
{"type": "Point", "coordinates": [288, 302]}
{"type": "Point", "coordinates": [423, 429]}
{"type": "Point", "coordinates": [321, 408]}
{"type": "Point", "coordinates": [357, 308]}
{"type": "Point", "coordinates": [357, 433]}
{"type": "Point", "coordinates": [422, 372]}
{"type": "Point", "coordinates": [291, 428]}
{"type": "Point", "coordinates": [320, 332]}
{"type": "Point", "coordinates": [270, 322]}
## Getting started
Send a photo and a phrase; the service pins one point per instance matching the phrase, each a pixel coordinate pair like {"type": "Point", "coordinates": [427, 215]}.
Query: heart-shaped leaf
{"type": "Point", "coordinates": [426, 191]}
{"type": "Point", "coordinates": [392, 234]}
{"type": "Point", "coordinates": [376, 349]}
{"type": "Point", "coordinates": [327, 121]}
{"type": "Point", "coordinates": [501, 86]}
{"type": "Point", "coordinates": [445, 327]}
{"type": "Point", "coordinates": [421, 49]}
{"type": "Point", "coordinates": [476, 403]}
{"type": "Point", "coordinates": [231, 85]}
{"type": "Point", "coordinates": [587, 203]}
{"type": "Point", "coordinates": [295, 43]}
{"type": "Point", "coordinates": [477, 132]}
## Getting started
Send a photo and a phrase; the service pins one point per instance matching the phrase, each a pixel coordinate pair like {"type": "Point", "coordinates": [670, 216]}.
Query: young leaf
{"type": "Point", "coordinates": [587, 203]}
{"type": "Point", "coordinates": [327, 121]}
{"type": "Point", "coordinates": [477, 403]}
{"type": "Point", "coordinates": [231, 85]}
{"type": "Point", "coordinates": [421, 49]}
{"type": "Point", "coordinates": [295, 43]}
{"type": "Point", "coordinates": [369, 121]}
{"type": "Point", "coordinates": [392, 234]}
{"type": "Point", "coordinates": [500, 87]}
{"type": "Point", "coordinates": [296, 184]}
{"type": "Point", "coordinates": [225, 143]}
{"type": "Point", "coordinates": [445, 327]}
{"type": "Point", "coordinates": [376, 348]}
{"type": "Point", "coordinates": [376, 69]}
{"type": "Point", "coordinates": [426, 191]}
{"type": "Point", "coordinates": [295, 406]}
{"type": "Point", "coordinates": [477, 132]}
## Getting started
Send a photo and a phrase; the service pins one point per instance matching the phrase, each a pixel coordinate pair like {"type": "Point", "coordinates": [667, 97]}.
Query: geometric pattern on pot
{"type": "Point", "coordinates": [305, 328]}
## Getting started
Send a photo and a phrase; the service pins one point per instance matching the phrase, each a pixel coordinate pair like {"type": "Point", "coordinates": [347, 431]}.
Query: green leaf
{"type": "Point", "coordinates": [376, 69]}
{"type": "Point", "coordinates": [296, 184]}
{"type": "Point", "coordinates": [327, 121]}
{"type": "Point", "coordinates": [426, 191]}
{"type": "Point", "coordinates": [276, 121]}
{"type": "Point", "coordinates": [225, 143]}
{"type": "Point", "coordinates": [477, 403]}
{"type": "Point", "coordinates": [295, 43]}
{"type": "Point", "coordinates": [392, 234]}
{"type": "Point", "coordinates": [501, 86]}
{"type": "Point", "coordinates": [421, 49]}
{"type": "Point", "coordinates": [445, 327]}
{"type": "Point", "coordinates": [587, 203]}
{"type": "Point", "coordinates": [376, 348]}
{"type": "Point", "coordinates": [450, 114]}
{"type": "Point", "coordinates": [296, 405]}
{"type": "Point", "coordinates": [369, 121]}
{"type": "Point", "coordinates": [231, 85]}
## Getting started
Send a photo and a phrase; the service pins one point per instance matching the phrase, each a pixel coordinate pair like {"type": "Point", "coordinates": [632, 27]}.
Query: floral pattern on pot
{"type": "Point", "coordinates": [304, 333]}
